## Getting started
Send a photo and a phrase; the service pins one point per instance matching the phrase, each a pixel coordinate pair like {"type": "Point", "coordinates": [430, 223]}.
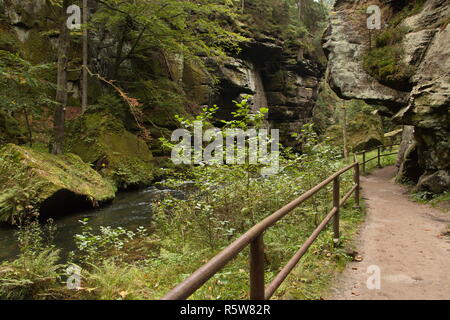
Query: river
{"type": "Point", "coordinates": [129, 210]}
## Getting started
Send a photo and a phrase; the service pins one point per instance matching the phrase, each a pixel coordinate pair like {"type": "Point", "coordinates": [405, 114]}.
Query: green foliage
{"type": "Point", "coordinates": [243, 118]}
{"type": "Point", "coordinates": [411, 8]}
{"type": "Point", "coordinates": [24, 87]}
{"type": "Point", "coordinates": [34, 237]}
{"type": "Point", "coordinates": [385, 60]}
{"type": "Point", "coordinates": [11, 130]}
{"type": "Point", "coordinates": [112, 281]}
{"type": "Point", "coordinates": [281, 17]}
{"type": "Point", "coordinates": [120, 264]}
{"type": "Point", "coordinates": [112, 104]}
{"type": "Point", "coordinates": [101, 140]}
{"type": "Point", "coordinates": [229, 202]}
{"type": "Point", "coordinates": [31, 276]}
{"type": "Point", "coordinates": [175, 26]}
{"type": "Point", "coordinates": [91, 246]}
{"type": "Point", "coordinates": [35, 274]}
{"type": "Point", "coordinates": [385, 160]}
{"type": "Point", "coordinates": [440, 201]}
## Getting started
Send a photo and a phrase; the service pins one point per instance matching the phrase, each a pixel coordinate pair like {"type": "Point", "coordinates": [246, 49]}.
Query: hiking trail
{"type": "Point", "coordinates": [406, 240]}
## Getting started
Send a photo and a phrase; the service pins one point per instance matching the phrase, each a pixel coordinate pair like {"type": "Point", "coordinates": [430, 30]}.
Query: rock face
{"type": "Point", "coordinates": [422, 98]}
{"type": "Point", "coordinates": [278, 75]}
{"type": "Point", "coordinates": [32, 181]}
{"type": "Point", "coordinates": [277, 78]}
{"type": "Point", "coordinates": [102, 141]}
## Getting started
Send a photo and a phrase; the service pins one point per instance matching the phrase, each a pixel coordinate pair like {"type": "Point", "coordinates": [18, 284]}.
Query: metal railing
{"type": "Point", "coordinates": [378, 156]}
{"type": "Point", "coordinates": [254, 238]}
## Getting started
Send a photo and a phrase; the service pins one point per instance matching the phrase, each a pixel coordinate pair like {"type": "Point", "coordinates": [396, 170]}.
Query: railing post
{"type": "Point", "coordinates": [379, 157]}
{"type": "Point", "coordinates": [364, 162]}
{"type": "Point", "coordinates": [257, 285]}
{"type": "Point", "coordinates": [336, 201]}
{"type": "Point", "coordinates": [356, 178]}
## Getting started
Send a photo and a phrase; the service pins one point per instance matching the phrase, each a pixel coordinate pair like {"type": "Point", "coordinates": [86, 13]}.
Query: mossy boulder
{"type": "Point", "coordinates": [120, 156]}
{"type": "Point", "coordinates": [32, 181]}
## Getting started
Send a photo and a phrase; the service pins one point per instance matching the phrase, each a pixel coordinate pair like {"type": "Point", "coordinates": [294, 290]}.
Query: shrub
{"type": "Point", "coordinates": [30, 276]}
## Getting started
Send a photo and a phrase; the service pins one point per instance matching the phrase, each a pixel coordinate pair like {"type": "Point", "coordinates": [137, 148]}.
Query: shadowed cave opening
{"type": "Point", "coordinates": [64, 202]}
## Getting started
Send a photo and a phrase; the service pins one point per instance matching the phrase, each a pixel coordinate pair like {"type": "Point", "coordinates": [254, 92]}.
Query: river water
{"type": "Point", "coordinates": [129, 210]}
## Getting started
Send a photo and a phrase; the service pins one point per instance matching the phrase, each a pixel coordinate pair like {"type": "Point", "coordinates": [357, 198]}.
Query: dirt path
{"type": "Point", "coordinates": [404, 239]}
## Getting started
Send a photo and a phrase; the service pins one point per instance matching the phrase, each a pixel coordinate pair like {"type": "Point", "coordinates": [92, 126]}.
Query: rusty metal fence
{"type": "Point", "coordinates": [379, 155]}
{"type": "Point", "coordinates": [254, 238]}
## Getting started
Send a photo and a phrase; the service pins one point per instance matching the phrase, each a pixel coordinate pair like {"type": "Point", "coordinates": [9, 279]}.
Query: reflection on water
{"type": "Point", "coordinates": [129, 210]}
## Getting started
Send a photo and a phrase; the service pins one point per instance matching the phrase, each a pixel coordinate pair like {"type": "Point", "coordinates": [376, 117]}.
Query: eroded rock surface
{"type": "Point", "coordinates": [422, 100]}
{"type": "Point", "coordinates": [32, 181]}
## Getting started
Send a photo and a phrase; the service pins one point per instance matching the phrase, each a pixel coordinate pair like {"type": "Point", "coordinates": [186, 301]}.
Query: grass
{"type": "Point", "coordinates": [373, 164]}
{"type": "Point", "coordinates": [188, 233]}
{"type": "Point", "coordinates": [438, 201]}
{"type": "Point", "coordinates": [312, 278]}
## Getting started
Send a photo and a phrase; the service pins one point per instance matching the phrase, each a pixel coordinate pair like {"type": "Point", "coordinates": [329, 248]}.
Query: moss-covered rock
{"type": "Point", "coordinates": [101, 140]}
{"type": "Point", "coordinates": [32, 181]}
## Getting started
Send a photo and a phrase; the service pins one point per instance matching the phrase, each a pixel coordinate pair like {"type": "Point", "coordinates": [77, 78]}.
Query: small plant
{"type": "Point", "coordinates": [31, 276]}
{"type": "Point", "coordinates": [36, 272]}
{"type": "Point", "coordinates": [422, 196]}
{"type": "Point", "coordinates": [92, 246]}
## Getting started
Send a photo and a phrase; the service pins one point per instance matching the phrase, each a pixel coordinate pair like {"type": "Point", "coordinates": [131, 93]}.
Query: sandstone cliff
{"type": "Point", "coordinates": [281, 76]}
{"type": "Point", "coordinates": [404, 67]}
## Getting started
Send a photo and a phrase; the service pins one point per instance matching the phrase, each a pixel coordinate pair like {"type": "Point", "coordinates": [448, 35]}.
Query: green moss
{"type": "Point", "coordinates": [28, 178]}
{"type": "Point", "coordinates": [385, 60]}
{"type": "Point", "coordinates": [385, 63]}
{"type": "Point", "coordinates": [101, 140]}
{"type": "Point", "coordinates": [413, 7]}
{"type": "Point", "coordinates": [11, 130]}
{"type": "Point", "coordinates": [163, 100]}
{"type": "Point", "coordinates": [8, 40]}
{"type": "Point", "coordinates": [36, 48]}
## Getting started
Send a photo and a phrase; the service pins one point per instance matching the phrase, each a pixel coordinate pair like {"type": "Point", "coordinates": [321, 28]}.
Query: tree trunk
{"type": "Point", "coordinates": [61, 89]}
{"type": "Point", "coordinates": [119, 53]}
{"type": "Point", "coordinates": [30, 132]}
{"type": "Point", "coordinates": [344, 132]}
{"type": "Point", "coordinates": [84, 98]}
{"type": "Point", "coordinates": [300, 10]}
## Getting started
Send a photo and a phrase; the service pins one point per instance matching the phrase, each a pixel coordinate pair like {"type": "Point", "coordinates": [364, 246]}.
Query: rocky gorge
{"type": "Point", "coordinates": [409, 79]}
{"type": "Point", "coordinates": [279, 74]}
